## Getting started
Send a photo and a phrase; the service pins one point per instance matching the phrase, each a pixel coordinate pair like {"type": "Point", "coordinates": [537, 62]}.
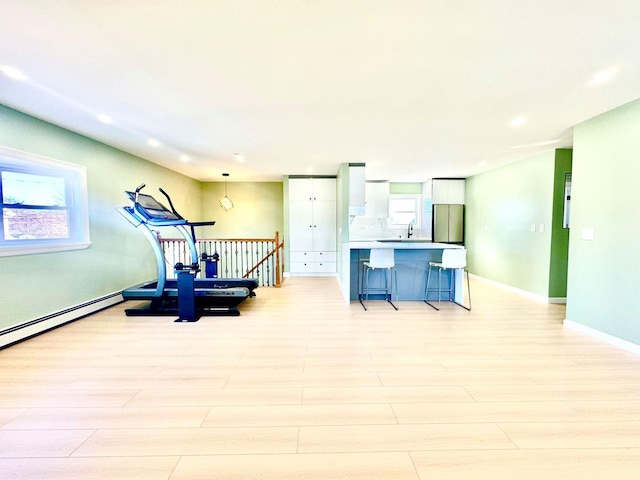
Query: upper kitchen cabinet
{"type": "Point", "coordinates": [312, 189]}
{"type": "Point", "coordinates": [448, 191]}
{"type": "Point", "coordinates": [377, 199]}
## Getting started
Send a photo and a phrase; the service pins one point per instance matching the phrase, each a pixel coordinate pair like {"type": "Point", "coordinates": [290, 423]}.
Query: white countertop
{"type": "Point", "coordinates": [401, 244]}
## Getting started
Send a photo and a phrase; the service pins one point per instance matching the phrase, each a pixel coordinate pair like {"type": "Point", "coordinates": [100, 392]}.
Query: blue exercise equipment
{"type": "Point", "coordinates": [186, 296]}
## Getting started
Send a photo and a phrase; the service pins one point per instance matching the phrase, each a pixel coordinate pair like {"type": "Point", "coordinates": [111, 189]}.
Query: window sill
{"type": "Point", "coordinates": [12, 251]}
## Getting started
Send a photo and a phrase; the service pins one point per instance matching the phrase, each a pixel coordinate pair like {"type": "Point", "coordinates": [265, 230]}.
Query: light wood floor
{"type": "Point", "coordinates": [303, 386]}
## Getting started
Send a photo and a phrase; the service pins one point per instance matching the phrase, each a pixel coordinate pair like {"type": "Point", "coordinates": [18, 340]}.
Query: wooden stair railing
{"type": "Point", "coordinates": [276, 251]}
{"type": "Point", "coordinates": [238, 257]}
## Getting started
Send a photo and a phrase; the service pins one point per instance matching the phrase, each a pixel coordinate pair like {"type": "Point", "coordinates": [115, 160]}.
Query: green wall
{"type": "Point", "coordinates": [257, 211]}
{"type": "Point", "coordinates": [501, 207]}
{"type": "Point", "coordinates": [32, 286]}
{"type": "Point", "coordinates": [405, 188]}
{"type": "Point", "coordinates": [604, 273]}
{"type": "Point", "coordinates": [559, 236]}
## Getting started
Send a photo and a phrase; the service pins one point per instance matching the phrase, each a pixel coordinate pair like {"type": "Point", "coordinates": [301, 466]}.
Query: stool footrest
{"type": "Point", "coordinates": [387, 290]}
{"type": "Point", "coordinates": [451, 287]}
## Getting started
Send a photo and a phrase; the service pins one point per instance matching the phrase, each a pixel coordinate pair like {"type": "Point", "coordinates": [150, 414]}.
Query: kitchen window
{"type": "Point", "coordinates": [404, 209]}
{"type": "Point", "coordinates": [43, 204]}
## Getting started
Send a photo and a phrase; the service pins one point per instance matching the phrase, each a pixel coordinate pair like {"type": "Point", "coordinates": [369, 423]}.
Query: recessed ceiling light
{"type": "Point", "coordinates": [153, 142]}
{"type": "Point", "coordinates": [12, 72]}
{"type": "Point", "coordinates": [239, 157]}
{"type": "Point", "coordinates": [105, 118]}
{"type": "Point", "coordinates": [518, 121]}
{"type": "Point", "coordinates": [482, 164]}
{"type": "Point", "coordinates": [184, 158]}
{"type": "Point", "coordinates": [602, 77]}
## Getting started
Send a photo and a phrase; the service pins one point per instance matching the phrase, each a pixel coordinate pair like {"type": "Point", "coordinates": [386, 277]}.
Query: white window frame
{"type": "Point", "coordinates": [417, 198]}
{"type": "Point", "coordinates": [76, 202]}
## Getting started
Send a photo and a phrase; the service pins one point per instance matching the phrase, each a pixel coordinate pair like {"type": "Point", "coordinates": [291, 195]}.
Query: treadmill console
{"type": "Point", "coordinates": [151, 208]}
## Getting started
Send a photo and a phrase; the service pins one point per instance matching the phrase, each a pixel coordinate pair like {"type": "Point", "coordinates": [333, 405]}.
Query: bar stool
{"type": "Point", "coordinates": [452, 259]}
{"type": "Point", "coordinates": [382, 259]}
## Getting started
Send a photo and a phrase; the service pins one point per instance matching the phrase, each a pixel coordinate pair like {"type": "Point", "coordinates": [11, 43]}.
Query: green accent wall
{"type": "Point", "coordinates": [405, 188]}
{"type": "Point", "coordinates": [559, 260]}
{"type": "Point", "coordinates": [32, 286]}
{"type": "Point", "coordinates": [257, 211]}
{"type": "Point", "coordinates": [604, 273]}
{"type": "Point", "coordinates": [502, 208]}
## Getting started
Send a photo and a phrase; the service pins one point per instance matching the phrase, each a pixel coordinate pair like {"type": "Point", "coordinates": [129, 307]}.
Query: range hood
{"type": "Point", "coordinates": [356, 189]}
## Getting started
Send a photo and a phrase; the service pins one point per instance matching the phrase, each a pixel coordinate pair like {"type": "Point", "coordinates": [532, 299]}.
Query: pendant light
{"type": "Point", "coordinates": [225, 202]}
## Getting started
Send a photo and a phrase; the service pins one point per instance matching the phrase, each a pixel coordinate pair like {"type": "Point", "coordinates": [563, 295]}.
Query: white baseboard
{"type": "Point", "coordinates": [557, 299]}
{"type": "Point", "coordinates": [533, 296]}
{"type": "Point", "coordinates": [618, 342]}
{"type": "Point", "coordinates": [605, 337]}
{"type": "Point", "coordinates": [18, 333]}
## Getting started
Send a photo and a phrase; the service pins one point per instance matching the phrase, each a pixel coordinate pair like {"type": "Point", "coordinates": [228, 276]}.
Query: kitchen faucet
{"type": "Point", "coordinates": [410, 230]}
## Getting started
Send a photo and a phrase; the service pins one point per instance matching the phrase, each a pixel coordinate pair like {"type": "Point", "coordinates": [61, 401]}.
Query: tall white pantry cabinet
{"type": "Point", "coordinates": [312, 225]}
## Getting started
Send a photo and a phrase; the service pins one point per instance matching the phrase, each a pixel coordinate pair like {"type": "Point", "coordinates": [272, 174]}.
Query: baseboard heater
{"type": "Point", "coordinates": [18, 333]}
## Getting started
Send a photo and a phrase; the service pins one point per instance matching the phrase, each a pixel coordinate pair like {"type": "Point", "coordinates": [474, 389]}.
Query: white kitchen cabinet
{"type": "Point", "coordinates": [313, 262]}
{"type": "Point", "coordinates": [448, 191]}
{"type": "Point", "coordinates": [312, 225]}
{"type": "Point", "coordinates": [357, 195]}
{"type": "Point", "coordinates": [377, 199]}
{"type": "Point", "coordinates": [310, 189]}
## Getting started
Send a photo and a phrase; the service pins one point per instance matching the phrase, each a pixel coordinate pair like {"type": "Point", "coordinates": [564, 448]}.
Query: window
{"type": "Point", "coordinates": [404, 209]}
{"type": "Point", "coordinates": [43, 204]}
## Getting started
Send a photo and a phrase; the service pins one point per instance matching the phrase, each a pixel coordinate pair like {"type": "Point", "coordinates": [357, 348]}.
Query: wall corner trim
{"type": "Point", "coordinates": [559, 300]}
{"type": "Point", "coordinates": [605, 337]}
{"type": "Point", "coordinates": [526, 293]}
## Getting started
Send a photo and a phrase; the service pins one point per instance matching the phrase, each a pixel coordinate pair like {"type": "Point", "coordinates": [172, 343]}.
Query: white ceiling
{"type": "Point", "coordinates": [413, 88]}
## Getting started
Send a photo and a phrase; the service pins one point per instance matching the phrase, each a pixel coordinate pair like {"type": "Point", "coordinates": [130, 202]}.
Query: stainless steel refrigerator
{"type": "Point", "coordinates": [448, 223]}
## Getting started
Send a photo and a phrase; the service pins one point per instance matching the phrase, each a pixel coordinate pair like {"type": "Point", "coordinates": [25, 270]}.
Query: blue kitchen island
{"type": "Point", "coordinates": [412, 257]}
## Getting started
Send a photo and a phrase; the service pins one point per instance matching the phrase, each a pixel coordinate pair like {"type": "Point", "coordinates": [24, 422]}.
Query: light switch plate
{"type": "Point", "coordinates": [587, 234]}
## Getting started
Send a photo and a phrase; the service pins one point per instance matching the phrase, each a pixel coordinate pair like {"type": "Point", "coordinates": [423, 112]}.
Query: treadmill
{"type": "Point", "coordinates": [174, 297]}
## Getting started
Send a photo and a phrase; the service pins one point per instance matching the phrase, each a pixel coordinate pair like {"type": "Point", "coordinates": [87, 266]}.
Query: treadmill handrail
{"type": "Point", "coordinates": [170, 203]}
{"type": "Point", "coordinates": [130, 214]}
